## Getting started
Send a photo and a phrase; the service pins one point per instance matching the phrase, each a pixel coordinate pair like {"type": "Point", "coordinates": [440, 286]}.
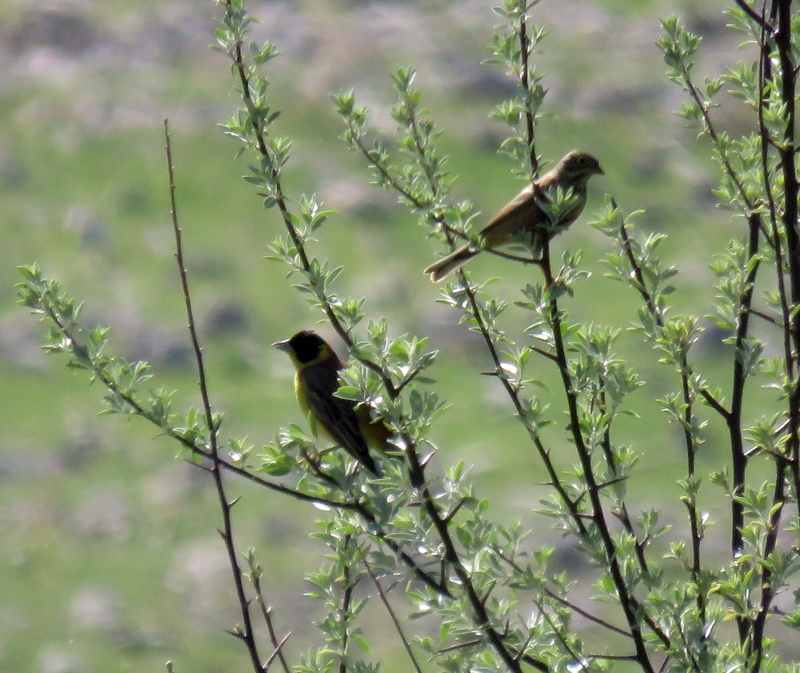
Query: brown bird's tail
{"type": "Point", "coordinates": [450, 263]}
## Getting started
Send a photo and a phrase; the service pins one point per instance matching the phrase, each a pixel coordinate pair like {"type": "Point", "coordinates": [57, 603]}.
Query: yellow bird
{"type": "Point", "coordinates": [523, 216]}
{"type": "Point", "coordinates": [342, 421]}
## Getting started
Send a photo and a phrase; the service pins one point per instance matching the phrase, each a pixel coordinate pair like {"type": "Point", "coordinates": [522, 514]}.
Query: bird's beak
{"type": "Point", "coordinates": [282, 345]}
{"type": "Point", "coordinates": [599, 170]}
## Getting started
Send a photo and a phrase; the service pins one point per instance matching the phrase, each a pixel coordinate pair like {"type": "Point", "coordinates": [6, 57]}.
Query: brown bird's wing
{"type": "Point", "coordinates": [519, 216]}
{"type": "Point", "coordinates": [336, 416]}
{"type": "Point", "coordinates": [525, 213]}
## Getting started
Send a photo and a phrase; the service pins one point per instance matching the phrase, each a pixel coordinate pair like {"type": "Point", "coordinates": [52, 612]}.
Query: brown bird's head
{"type": "Point", "coordinates": [305, 348]}
{"type": "Point", "coordinates": [575, 169]}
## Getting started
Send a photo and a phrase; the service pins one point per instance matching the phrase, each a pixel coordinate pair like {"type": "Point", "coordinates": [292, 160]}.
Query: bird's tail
{"type": "Point", "coordinates": [450, 263]}
{"type": "Point", "coordinates": [367, 461]}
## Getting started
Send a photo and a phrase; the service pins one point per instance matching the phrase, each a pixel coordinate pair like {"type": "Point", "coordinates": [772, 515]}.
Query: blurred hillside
{"type": "Point", "coordinates": [108, 544]}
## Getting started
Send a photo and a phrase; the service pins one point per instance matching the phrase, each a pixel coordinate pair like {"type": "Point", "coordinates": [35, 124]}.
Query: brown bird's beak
{"type": "Point", "coordinates": [599, 170]}
{"type": "Point", "coordinates": [282, 345]}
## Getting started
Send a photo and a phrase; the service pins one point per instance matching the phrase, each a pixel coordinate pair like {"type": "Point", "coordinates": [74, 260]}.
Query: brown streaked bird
{"type": "Point", "coordinates": [523, 216]}
{"type": "Point", "coordinates": [342, 421]}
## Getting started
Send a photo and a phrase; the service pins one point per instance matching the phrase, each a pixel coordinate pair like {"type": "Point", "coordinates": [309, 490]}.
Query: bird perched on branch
{"type": "Point", "coordinates": [351, 426]}
{"type": "Point", "coordinates": [530, 218]}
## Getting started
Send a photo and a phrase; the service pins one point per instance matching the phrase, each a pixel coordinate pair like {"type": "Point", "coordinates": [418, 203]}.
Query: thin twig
{"type": "Point", "coordinates": [278, 652]}
{"type": "Point", "coordinates": [288, 220]}
{"type": "Point", "coordinates": [525, 48]}
{"type": "Point", "coordinates": [586, 615]}
{"type": "Point", "coordinates": [345, 613]}
{"type": "Point", "coordinates": [765, 317]}
{"type": "Point", "coordinates": [755, 16]}
{"type": "Point", "coordinates": [227, 526]}
{"type": "Point", "coordinates": [266, 613]}
{"type": "Point", "coordinates": [563, 601]}
{"type": "Point", "coordinates": [715, 403]}
{"type": "Point", "coordinates": [385, 600]}
{"type": "Point", "coordinates": [684, 370]}
{"type": "Point", "coordinates": [611, 657]}
{"type": "Point", "coordinates": [561, 639]}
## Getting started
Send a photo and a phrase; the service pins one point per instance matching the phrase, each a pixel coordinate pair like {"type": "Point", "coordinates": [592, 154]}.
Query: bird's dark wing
{"type": "Point", "coordinates": [336, 416]}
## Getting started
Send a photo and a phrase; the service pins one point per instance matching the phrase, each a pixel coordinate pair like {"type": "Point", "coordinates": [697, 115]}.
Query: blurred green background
{"type": "Point", "coordinates": [108, 550]}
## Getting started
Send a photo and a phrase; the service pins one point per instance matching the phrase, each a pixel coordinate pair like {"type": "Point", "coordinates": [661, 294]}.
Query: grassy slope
{"type": "Point", "coordinates": [108, 541]}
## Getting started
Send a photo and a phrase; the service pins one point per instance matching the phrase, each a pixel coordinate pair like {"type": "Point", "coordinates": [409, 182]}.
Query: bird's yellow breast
{"type": "Point", "coordinates": [300, 393]}
{"type": "Point", "coordinates": [314, 424]}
